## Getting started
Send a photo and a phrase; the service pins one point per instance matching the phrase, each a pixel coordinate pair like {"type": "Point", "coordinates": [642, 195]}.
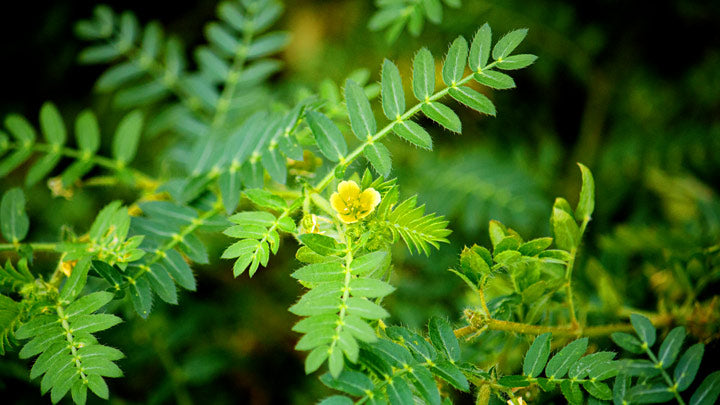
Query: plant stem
{"type": "Point", "coordinates": [142, 180]}
{"type": "Point", "coordinates": [672, 386]}
{"type": "Point", "coordinates": [50, 247]}
{"type": "Point", "coordinates": [568, 276]}
{"type": "Point", "coordinates": [478, 321]}
{"type": "Point", "coordinates": [387, 129]}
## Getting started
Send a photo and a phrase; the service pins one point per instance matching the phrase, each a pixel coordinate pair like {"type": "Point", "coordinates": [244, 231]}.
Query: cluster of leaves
{"type": "Point", "coordinates": [87, 134]}
{"type": "Point", "coordinates": [258, 231]}
{"type": "Point", "coordinates": [395, 15]}
{"type": "Point", "coordinates": [623, 381]}
{"type": "Point", "coordinates": [402, 367]}
{"type": "Point", "coordinates": [70, 357]}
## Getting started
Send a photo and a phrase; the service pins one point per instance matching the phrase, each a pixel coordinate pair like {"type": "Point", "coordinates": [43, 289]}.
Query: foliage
{"type": "Point", "coordinates": [222, 156]}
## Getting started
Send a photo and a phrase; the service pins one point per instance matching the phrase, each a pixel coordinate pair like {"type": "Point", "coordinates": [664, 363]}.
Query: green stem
{"type": "Point", "coordinates": [177, 238]}
{"type": "Point", "coordinates": [478, 321]}
{"type": "Point", "coordinates": [50, 247]}
{"type": "Point", "coordinates": [387, 129]}
{"type": "Point", "coordinates": [671, 385]}
{"type": "Point", "coordinates": [568, 275]}
{"type": "Point", "coordinates": [142, 180]}
{"type": "Point", "coordinates": [345, 296]}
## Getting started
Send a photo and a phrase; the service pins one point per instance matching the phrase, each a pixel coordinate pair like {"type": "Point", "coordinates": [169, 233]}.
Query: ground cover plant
{"type": "Point", "coordinates": [216, 225]}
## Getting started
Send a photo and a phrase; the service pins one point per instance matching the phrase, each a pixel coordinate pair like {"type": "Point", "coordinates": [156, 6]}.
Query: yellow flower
{"type": "Point", "coordinates": [351, 204]}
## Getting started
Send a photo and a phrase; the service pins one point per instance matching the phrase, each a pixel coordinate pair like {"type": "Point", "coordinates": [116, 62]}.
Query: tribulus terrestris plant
{"type": "Point", "coordinates": [310, 169]}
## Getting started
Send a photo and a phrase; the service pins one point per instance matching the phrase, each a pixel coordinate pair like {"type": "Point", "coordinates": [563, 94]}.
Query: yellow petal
{"type": "Point", "coordinates": [348, 218]}
{"type": "Point", "coordinates": [369, 199]}
{"type": "Point", "coordinates": [338, 203]}
{"type": "Point", "coordinates": [348, 190]}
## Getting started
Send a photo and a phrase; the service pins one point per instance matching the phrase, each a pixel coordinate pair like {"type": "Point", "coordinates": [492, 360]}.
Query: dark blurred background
{"type": "Point", "coordinates": [631, 89]}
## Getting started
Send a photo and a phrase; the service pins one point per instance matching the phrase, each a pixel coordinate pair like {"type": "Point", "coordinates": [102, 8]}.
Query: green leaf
{"type": "Point", "coordinates": [368, 263]}
{"type": "Point", "coordinates": [480, 48]}
{"type": "Point", "coordinates": [274, 162]}
{"type": "Point", "coordinates": [87, 132]}
{"type": "Point", "coordinates": [413, 133]}
{"type": "Point", "coordinates": [443, 115]}
{"type": "Point", "coordinates": [649, 394]}
{"type": "Point", "coordinates": [620, 389]}
{"type": "Point", "coordinates": [370, 287]}
{"type": "Point", "coordinates": [42, 168]}
{"type": "Point", "coordinates": [78, 392]}
{"type": "Point", "coordinates": [559, 365]}
{"type": "Point", "coordinates": [595, 363]}
{"type": "Point", "coordinates": [455, 61]}
{"type": "Point", "coordinates": [351, 382]}
{"type": "Point", "coordinates": [379, 157]}
{"type": "Point", "coordinates": [336, 400]}
{"type": "Point", "coordinates": [515, 62]}
{"type": "Point", "coordinates": [443, 338]}
{"type": "Point", "coordinates": [644, 329]}
{"type": "Point", "coordinates": [535, 246]}
{"type": "Point", "coordinates": [141, 297]}
{"type": "Point", "coordinates": [362, 119]}
{"type": "Point", "coordinates": [425, 384]}
{"type": "Point", "coordinates": [327, 135]}
{"type": "Point", "coordinates": [565, 229]}
{"type": "Point", "coordinates": [586, 204]}
{"type": "Point", "coordinates": [473, 99]}
{"type": "Point", "coordinates": [316, 358]}
{"type": "Point", "coordinates": [494, 79]}
{"type": "Point", "coordinates": [708, 391]}
{"type": "Point", "coordinates": [360, 329]}
{"type": "Point", "coordinates": [571, 391]}
{"type": "Point", "coordinates": [76, 282]}
{"type": "Point", "coordinates": [93, 323]}
{"type": "Point", "coordinates": [14, 222]}
{"type": "Point", "coordinates": [127, 136]}
{"type": "Point", "coordinates": [52, 124]}
{"type": "Point", "coordinates": [627, 342]}
{"type": "Point", "coordinates": [321, 244]}
{"type": "Point", "coordinates": [336, 363]}
{"type": "Point", "coordinates": [393, 95]}
{"type": "Point", "coordinates": [178, 268]}
{"type": "Point", "coordinates": [162, 284]}
{"type": "Point", "coordinates": [670, 347]}
{"type": "Point", "coordinates": [265, 199]}
{"type": "Point", "coordinates": [98, 386]}
{"type": "Point", "coordinates": [88, 303]}
{"type": "Point", "coordinates": [450, 373]}
{"type": "Point", "coordinates": [21, 129]}
{"type": "Point", "coordinates": [687, 366]}
{"type": "Point", "coordinates": [537, 355]}
{"type": "Point", "coordinates": [598, 390]}
{"type": "Point", "coordinates": [366, 309]}
{"type": "Point", "coordinates": [399, 392]}
{"type": "Point", "coordinates": [320, 273]}
{"type": "Point", "coordinates": [508, 43]}
{"type": "Point", "coordinates": [423, 74]}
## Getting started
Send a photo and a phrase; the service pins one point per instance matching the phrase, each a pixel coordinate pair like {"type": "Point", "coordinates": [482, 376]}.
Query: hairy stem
{"type": "Point", "coordinates": [478, 321]}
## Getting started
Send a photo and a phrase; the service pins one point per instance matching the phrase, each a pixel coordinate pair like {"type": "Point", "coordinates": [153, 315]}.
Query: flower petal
{"type": "Point", "coordinates": [348, 218]}
{"type": "Point", "coordinates": [369, 199]}
{"type": "Point", "coordinates": [338, 203]}
{"type": "Point", "coordinates": [348, 190]}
